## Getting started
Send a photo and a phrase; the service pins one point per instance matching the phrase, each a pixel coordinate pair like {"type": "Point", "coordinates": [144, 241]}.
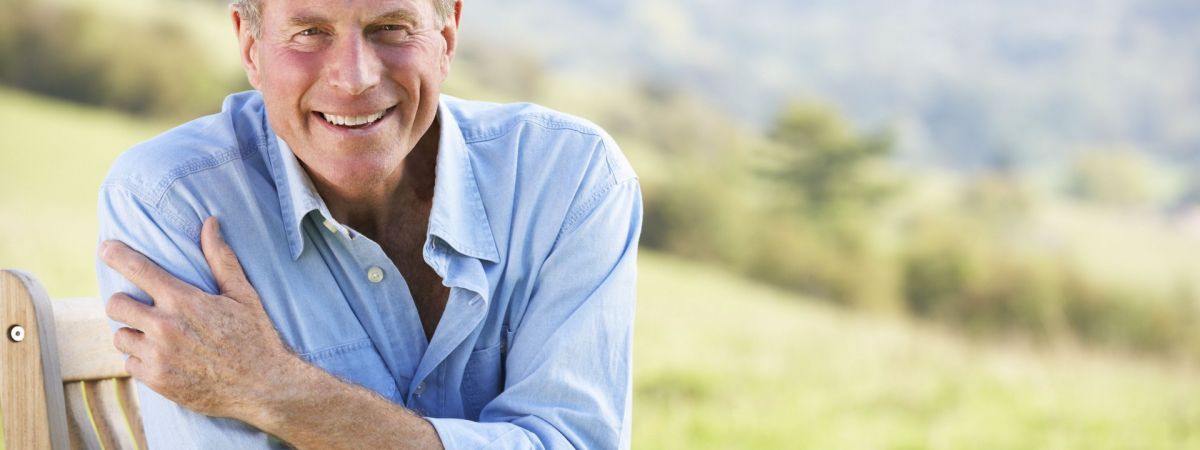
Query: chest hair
{"type": "Point", "coordinates": [403, 245]}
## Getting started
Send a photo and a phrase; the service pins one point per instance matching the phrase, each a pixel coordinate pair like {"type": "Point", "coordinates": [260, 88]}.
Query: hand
{"type": "Point", "coordinates": [214, 354]}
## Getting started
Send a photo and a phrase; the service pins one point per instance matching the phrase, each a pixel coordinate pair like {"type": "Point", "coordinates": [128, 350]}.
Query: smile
{"type": "Point", "coordinates": [354, 121]}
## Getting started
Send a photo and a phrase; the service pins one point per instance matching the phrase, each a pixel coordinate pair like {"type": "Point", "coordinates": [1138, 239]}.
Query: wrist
{"type": "Point", "coordinates": [277, 393]}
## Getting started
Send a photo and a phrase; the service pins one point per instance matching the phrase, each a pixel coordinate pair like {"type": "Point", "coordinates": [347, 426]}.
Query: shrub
{"type": "Point", "coordinates": [81, 53]}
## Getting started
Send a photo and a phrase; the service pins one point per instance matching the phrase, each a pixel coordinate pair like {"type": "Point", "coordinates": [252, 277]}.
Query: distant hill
{"type": "Point", "coordinates": [984, 84]}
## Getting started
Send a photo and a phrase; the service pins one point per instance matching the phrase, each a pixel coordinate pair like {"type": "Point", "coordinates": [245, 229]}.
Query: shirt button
{"type": "Point", "coordinates": [420, 388]}
{"type": "Point", "coordinates": [375, 274]}
{"type": "Point", "coordinates": [331, 225]}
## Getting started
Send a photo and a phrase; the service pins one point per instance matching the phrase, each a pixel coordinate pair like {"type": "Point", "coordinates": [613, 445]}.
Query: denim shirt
{"type": "Point", "coordinates": [534, 229]}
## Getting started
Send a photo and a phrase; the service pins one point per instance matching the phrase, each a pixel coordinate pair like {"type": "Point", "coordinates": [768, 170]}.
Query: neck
{"type": "Point", "coordinates": [377, 205]}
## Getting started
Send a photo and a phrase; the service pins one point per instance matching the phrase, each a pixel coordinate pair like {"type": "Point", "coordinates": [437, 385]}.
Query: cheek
{"type": "Point", "coordinates": [288, 75]}
{"type": "Point", "coordinates": [417, 63]}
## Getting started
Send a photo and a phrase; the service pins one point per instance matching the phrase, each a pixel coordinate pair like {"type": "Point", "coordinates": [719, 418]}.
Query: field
{"type": "Point", "coordinates": [723, 363]}
{"type": "Point", "coordinates": [720, 362]}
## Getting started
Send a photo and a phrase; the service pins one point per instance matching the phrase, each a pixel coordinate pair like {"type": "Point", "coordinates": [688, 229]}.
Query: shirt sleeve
{"type": "Point", "coordinates": [173, 243]}
{"type": "Point", "coordinates": [569, 373]}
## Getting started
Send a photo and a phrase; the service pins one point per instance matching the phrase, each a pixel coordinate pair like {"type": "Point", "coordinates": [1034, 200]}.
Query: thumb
{"type": "Point", "coordinates": [231, 279]}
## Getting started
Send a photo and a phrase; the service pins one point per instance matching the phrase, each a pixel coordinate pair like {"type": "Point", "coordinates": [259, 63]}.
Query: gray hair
{"type": "Point", "coordinates": [251, 11]}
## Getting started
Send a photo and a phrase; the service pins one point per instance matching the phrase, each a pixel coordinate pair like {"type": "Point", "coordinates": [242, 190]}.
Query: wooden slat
{"type": "Point", "coordinates": [33, 417]}
{"type": "Point", "coordinates": [85, 435]}
{"type": "Point", "coordinates": [107, 404]}
{"type": "Point", "coordinates": [131, 410]}
{"type": "Point", "coordinates": [85, 341]}
{"type": "Point", "coordinates": [100, 415]}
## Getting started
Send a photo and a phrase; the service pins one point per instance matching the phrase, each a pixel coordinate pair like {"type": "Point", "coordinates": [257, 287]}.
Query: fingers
{"type": "Point", "coordinates": [123, 308]}
{"type": "Point", "coordinates": [129, 341]}
{"type": "Point", "coordinates": [143, 273]}
{"type": "Point", "coordinates": [223, 262]}
{"type": "Point", "coordinates": [135, 367]}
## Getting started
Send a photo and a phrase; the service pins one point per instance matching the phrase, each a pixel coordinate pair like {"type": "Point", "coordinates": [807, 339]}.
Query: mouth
{"type": "Point", "coordinates": [353, 122]}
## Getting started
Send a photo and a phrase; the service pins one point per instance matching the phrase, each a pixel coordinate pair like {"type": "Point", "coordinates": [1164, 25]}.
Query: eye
{"type": "Point", "coordinates": [310, 39]}
{"type": "Point", "coordinates": [392, 33]}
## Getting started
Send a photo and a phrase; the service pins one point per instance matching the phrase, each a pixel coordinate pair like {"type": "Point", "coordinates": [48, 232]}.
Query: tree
{"type": "Point", "coordinates": [824, 169]}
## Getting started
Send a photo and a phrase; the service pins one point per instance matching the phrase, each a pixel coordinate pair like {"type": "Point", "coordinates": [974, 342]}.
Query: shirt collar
{"type": "Point", "coordinates": [457, 218]}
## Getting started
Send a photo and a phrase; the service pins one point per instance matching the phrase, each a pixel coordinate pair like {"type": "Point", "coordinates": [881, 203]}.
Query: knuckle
{"type": "Point", "coordinates": [112, 307]}
{"type": "Point", "coordinates": [133, 368]}
{"type": "Point", "coordinates": [227, 254]}
{"type": "Point", "coordinates": [158, 359]}
{"type": "Point", "coordinates": [171, 333]}
{"type": "Point", "coordinates": [177, 301]}
{"type": "Point", "coordinates": [157, 326]}
{"type": "Point", "coordinates": [120, 341]}
{"type": "Point", "coordinates": [137, 268]}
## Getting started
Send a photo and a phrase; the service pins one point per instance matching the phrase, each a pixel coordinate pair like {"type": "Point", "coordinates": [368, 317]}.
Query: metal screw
{"type": "Point", "coordinates": [16, 333]}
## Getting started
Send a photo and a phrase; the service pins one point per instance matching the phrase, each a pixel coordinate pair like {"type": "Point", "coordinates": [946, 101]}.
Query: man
{"type": "Point", "coordinates": [416, 271]}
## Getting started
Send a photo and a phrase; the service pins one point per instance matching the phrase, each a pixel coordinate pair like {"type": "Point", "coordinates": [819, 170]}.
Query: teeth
{"type": "Point", "coordinates": [353, 121]}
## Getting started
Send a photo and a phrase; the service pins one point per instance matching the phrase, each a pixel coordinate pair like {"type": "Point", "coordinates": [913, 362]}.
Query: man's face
{"type": "Point", "coordinates": [350, 85]}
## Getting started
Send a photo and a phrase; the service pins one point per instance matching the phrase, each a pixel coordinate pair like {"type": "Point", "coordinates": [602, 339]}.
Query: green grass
{"type": "Point", "coordinates": [720, 362]}
{"type": "Point", "coordinates": [54, 157]}
{"type": "Point", "coordinates": [725, 363]}
{"type": "Point", "coordinates": [1156, 257]}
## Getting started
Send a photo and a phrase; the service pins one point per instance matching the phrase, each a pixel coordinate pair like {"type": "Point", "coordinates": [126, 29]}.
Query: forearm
{"type": "Point", "coordinates": [312, 409]}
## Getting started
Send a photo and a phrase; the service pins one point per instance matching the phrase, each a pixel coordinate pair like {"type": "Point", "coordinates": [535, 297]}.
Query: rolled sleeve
{"type": "Point", "coordinates": [568, 371]}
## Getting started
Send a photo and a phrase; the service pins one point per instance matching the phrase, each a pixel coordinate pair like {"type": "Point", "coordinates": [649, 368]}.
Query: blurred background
{"type": "Point", "coordinates": [870, 224]}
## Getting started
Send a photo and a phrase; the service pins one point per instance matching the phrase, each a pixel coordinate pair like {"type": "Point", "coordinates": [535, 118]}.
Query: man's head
{"type": "Point", "coordinates": [252, 9]}
{"type": "Point", "coordinates": [351, 85]}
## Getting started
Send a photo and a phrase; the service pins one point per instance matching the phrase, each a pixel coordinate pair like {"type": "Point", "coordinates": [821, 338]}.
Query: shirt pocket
{"type": "Point", "coordinates": [357, 362]}
{"type": "Point", "coordinates": [483, 379]}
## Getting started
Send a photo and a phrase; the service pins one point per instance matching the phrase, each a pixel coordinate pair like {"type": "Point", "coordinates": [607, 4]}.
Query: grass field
{"type": "Point", "coordinates": [54, 157]}
{"type": "Point", "coordinates": [721, 362]}
{"type": "Point", "coordinates": [724, 363]}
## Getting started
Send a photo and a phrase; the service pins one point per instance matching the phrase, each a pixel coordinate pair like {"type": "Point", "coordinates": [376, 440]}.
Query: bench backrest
{"type": "Point", "coordinates": [62, 384]}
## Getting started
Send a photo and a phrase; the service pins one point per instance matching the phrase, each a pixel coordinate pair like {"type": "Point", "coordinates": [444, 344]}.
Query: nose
{"type": "Point", "coordinates": [355, 68]}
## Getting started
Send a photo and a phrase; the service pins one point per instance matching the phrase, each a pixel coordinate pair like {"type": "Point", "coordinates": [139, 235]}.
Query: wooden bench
{"type": "Point", "coordinates": [62, 384]}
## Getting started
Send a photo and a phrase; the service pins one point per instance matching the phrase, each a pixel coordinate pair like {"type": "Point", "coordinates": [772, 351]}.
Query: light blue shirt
{"type": "Point", "coordinates": [534, 229]}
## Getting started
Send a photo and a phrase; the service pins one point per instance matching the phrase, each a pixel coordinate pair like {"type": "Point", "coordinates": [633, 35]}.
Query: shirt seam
{"type": "Point", "coordinates": [335, 350]}
{"type": "Point", "coordinates": [196, 166]}
{"type": "Point", "coordinates": [587, 207]}
{"type": "Point", "coordinates": [163, 187]}
{"type": "Point", "coordinates": [538, 119]}
{"type": "Point", "coordinates": [155, 209]}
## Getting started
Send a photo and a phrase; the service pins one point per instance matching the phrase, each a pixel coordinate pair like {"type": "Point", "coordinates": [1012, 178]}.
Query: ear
{"type": "Point", "coordinates": [246, 41]}
{"type": "Point", "coordinates": [450, 33]}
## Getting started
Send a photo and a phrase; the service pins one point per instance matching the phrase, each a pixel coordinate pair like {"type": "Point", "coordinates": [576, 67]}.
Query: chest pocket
{"type": "Point", "coordinates": [484, 377]}
{"type": "Point", "coordinates": [357, 362]}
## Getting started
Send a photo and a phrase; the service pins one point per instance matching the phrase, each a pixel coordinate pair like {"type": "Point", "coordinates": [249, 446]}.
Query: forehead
{"type": "Point", "coordinates": [284, 11]}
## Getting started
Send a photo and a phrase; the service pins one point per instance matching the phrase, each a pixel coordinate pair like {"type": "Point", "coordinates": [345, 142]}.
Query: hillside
{"type": "Point", "coordinates": [724, 363]}
{"type": "Point", "coordinates": [965, 84]}
{"type": "Point", "coordinates": [720, 362]}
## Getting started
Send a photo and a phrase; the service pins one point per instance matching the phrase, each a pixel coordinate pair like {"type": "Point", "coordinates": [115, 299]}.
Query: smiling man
{"type": "Point", "coordinates": [394, 268]}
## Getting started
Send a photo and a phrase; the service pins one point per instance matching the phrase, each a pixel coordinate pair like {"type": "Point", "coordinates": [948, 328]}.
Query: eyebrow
{"type": "Point", "coordinates": [399, 15]}
{"type": "Point", "coordinates": [307, 20]}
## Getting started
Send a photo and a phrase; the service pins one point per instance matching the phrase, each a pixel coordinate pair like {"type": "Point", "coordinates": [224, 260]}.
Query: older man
{"type": "Point", "coordinates": [415, 270]}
